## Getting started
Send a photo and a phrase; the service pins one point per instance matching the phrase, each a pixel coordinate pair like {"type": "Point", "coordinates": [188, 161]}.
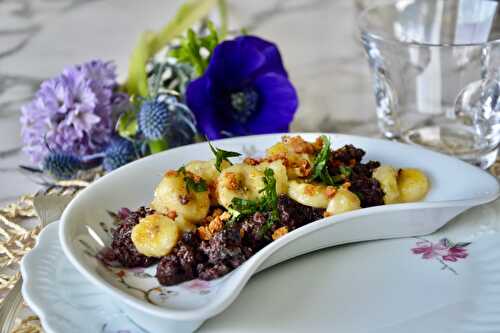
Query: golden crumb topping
{"type": "Point", "coordinates": [280, 232]}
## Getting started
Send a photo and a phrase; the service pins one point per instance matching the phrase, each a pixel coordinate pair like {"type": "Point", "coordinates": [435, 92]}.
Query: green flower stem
{"type": "Point", "coordinates": [156, 146]}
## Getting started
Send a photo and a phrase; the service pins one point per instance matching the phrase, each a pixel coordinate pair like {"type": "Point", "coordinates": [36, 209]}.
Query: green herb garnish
{"type": "Point", "coordinates": [268, 203]}
{"type": "Point", "coordinates": [320, 168]}
{"type": "Point", "coordinates": [195, 186]}
{"type": "Point", "coordinates": [222, 155]}
{"type": "Point", "coordinates": [345, 171]}
{"type": "Point", "coordinates": [198, 186]}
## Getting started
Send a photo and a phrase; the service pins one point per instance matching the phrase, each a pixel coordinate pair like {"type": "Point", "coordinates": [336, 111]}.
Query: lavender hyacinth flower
{"type": "Point", "coordinates": [71, 113]}
{"type": "Point", "coordinates": [245, 90]}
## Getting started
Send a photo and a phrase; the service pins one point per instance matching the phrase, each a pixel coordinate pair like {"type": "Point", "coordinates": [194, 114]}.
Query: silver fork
{"type": "Point", "coordinates": [49, 208]}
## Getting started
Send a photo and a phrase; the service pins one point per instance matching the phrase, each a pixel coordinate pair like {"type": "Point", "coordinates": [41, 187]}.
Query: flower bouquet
{"type": "Point", "coordinates": [188, 82]}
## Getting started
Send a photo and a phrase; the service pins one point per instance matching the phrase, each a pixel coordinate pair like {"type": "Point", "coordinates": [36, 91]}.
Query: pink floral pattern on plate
{"type": "Point", "coordinates": [198, 286]}
{"type": "Point", "coordinates": [443, 251]}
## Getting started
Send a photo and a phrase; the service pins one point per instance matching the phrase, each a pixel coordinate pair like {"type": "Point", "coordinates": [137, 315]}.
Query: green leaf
{"type": "Point", "coordinates": [156, 146]}
{"type": "Point", "coordinates": [320, 168]}
{"type": "Point", "coordinates": [195, 186]}
{"type": "Point", "coordinates": [244, 206]}
{"type": "Point", "coordinates": [150, 42]}
{"type": "Point", "coordinates": [235, 216]}
{"type": "Point", "coordinates": [191, 46]}
{"type": "Point", "coordinates": [224, 18]}
{"type": "Point", "coordinates": [268, 203]}
{"type": "Point", "coordinates": [127, 124]}
{"type": "Point", "coordinates": [345, 171]}
{"type": "Point", "coordinates": [222, 155]}
{"type": "Point", "coordinates": [137, 81]}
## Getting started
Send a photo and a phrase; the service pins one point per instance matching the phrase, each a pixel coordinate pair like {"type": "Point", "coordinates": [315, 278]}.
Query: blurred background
{"type": "Point", "coordinates": [318, 41]}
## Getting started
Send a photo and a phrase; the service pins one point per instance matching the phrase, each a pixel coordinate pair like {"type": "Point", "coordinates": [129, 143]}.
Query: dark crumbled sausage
{"type": "Point", "coordinates": [230, 247]}
{"type": "Point", "coordinates": [347, 154]}
{"type": "Point", "coordinates": [294, 215]}
{"type": "Point", "coordinates": [170, 272]}
{"type": "Point", "coordinates": [368, 190]}
{"type": "Point", "coordinates": [364, 186]}
{"type": "Point", "coordinates": [251, 229]}
{"type": "Point", "coordinates": [225, 246]}
{"type": "Point", "coordinates": [211, 272]}
{"type": "Point", "coordinates": [122, 249]}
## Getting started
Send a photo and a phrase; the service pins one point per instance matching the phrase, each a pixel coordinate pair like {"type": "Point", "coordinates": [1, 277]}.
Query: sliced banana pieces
{"type": "Point", "coordinates": [343, 201]}
{"type": "Point", "coordinates": [172, 195]}
{"type": "Point", "coordinates": [298, 164]}
{"type": "Point", "coordinates": [309, 194]}
{"type": "Point", "coordinates": [239, 181]}
{"type": "Point", "coordinates": [387, 177]}
{"type": "Point", "coordinates": [413, 185]}
{"type": "Point", "coordinates": [207, 171]}
{"type": "Point", "coordinates": [245, 181]}
{"type": "Point", "coordinates": [155, 235]}
{"type": "Point", "coordinates": [184, 225]}
{"type": "Point", "coordinates": [280, 174]}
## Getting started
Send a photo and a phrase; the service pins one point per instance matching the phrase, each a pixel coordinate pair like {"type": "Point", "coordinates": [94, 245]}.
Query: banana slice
{"type": "Point", "coordinates": [413, 185]}
{"type": "Point", "coordinates": [207, 171]}
{"type": "Point", "coordinates": [309, 194]}
{"type": "Point", "coordinates": [343, 201]}
{"type": "Point", "coordinates": [280, 174]}
{"type": "Point", "coordinates": [239, 181]}
{"type": "Point", "coordinates": [172, 194]}
{"type": "Point", "coordinates": [298, 154]}
{"type": "Point", "coordinates": [155, 235]}
{"type": "Point", "coordinates": [387, 177]}
{"type": "Point", "coordinates": [184, 225]}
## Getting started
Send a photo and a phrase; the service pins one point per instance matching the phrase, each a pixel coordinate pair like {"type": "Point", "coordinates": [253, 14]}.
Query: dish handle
{"type": "Point", "coordinates": [383, 225]}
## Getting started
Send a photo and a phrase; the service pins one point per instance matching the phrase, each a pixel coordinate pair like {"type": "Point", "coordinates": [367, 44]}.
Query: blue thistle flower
{"type": "Point", "coordinates": [181, 125]}
{"type": "Point", "coordinates": [119, 152]}
{"type": "Point", "coordinates": [62, 166]}
{"type": "Point", "coordinates": [153, 119]}
{"type": "Point", "coordinates": [166, 118]}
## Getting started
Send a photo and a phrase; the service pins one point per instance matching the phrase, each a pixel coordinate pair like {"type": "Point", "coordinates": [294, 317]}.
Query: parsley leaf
{"type": "Point", "coordinates": [345, 171]}
{"type": "Point", "coordinates": [222, 155]}
{"type": "Point", "coordinates": [268, 203]}
{"type": "Point", "coordinates": [320, 167]}
{"type": "Point", "coordinates": [198, 185]}
{"type": "Point", "coordinates": [321, 159]}
{"type": "Point", "coordinates": [195, 186]}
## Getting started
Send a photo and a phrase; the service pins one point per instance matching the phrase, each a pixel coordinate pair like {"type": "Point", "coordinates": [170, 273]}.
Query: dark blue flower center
{"type": "Point", "coordinates": [244, 104]}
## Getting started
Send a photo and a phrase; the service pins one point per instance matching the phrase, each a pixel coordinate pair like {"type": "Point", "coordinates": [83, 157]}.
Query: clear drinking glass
{"type": "Point", "coordinates": [436, 74]}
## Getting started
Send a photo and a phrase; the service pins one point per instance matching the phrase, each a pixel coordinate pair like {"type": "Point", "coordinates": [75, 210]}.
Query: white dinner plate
{"type": "Point", "coordinates": [392, 286]}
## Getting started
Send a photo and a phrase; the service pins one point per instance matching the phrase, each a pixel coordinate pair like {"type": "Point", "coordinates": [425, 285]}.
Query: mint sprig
{"type": "Point", "coordinates": [222, 155]}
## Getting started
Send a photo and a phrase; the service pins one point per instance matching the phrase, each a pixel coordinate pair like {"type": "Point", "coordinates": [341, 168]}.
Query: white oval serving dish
{"type": "Point", "coordinates": [456, 186]}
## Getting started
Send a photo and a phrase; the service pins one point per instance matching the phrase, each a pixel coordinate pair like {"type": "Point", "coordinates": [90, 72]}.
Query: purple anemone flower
{"type": "Point", "coordinates": [72, 113]}
{"type": "Point", "coordinates": [245, 90]}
